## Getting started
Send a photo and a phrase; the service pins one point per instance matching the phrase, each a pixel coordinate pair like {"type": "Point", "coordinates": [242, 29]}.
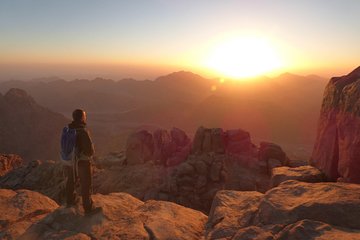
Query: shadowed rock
{"type": "Point", "coordinates": [46, 177]}
{"type": "Point", "coordinates": [309, 230]}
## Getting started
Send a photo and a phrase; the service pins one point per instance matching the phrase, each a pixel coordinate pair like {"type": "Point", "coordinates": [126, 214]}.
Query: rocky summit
{"type": "Point", "coordinates": [122, 217]}
{"type": "Point", "coordinates": [337, 147]}
{"type": "Point", "coordinates": [293, 210]}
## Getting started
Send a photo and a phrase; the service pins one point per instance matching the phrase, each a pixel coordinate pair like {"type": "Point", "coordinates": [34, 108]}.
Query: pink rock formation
{"type": "Point", "coordinates": [337, 147]}
{"type": "Point", "coordinates": [163, 147]}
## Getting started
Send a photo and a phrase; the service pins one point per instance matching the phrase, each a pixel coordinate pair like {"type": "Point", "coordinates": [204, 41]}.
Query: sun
{"type": "Point", "coordinates": [243, 57]}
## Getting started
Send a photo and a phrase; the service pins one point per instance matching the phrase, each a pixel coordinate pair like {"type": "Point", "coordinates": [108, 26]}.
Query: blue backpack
{"type": "Point", "coordinates": [68, 142]}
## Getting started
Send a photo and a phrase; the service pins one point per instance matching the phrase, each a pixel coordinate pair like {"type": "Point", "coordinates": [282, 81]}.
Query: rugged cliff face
{"type": "Point", "coordinates": [337, 147]}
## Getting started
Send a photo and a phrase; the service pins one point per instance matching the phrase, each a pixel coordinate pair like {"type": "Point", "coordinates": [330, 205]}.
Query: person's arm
{"type": "Point", "coordinates": [87, 146]}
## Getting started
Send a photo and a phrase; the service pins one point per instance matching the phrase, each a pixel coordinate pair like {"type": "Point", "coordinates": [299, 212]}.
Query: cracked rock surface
{"type": "Point", "coordinates": [20, 209]}
{"type": "Point", "coordinates": [122, 217]}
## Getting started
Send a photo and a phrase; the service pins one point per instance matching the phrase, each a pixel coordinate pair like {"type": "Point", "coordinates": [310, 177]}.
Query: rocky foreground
{"type": "Point", "coordinates": [293, 210]}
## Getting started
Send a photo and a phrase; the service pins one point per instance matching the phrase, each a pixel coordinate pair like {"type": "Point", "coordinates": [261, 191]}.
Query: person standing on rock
{"type": "Point", "coordinates": [81, 167]}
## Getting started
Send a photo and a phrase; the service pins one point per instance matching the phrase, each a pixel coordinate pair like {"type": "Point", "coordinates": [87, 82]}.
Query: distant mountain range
{"type": "Point", "coordinates": [283, 109]}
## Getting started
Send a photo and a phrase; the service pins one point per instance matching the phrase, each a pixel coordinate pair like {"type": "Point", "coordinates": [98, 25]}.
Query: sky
{"type": "Point", "coordinates": [147, 38]}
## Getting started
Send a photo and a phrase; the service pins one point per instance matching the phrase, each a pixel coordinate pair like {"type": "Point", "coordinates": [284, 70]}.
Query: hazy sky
{"type": "Point", "coordinates": [143, 39]}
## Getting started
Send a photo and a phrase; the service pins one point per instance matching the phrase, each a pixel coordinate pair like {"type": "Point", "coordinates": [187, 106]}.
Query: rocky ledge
{"type": "Point", "coordinates": [293, 210]}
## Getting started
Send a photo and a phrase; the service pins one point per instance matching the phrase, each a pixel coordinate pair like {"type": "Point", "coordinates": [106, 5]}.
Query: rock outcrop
{"type": "Point", "coordinates": [302, 173]}
{"type": "Point", "coordinates": [337, 147]}
{"type": "Point", "coordinates": [139, 148]}
{"type": "Point", "coordinates": [122, 217]}
{"type": "Point", "coordinates": [9, 162]}
{"type": "Point", "coordinates": [231, 211]}
{"type": "Point", "coordinates": [293, 210]}
{"type": "Point", "coordinates": [162, 147]}
{"type": "Point", "coordinates": [137, 180]}
{"type": "Point", "coordinates": [46, 177]}
{"type": "Point", "coordinates": [236, 141]}
{"type": "Point", "coordinates": [28, 129]}
{"type": "Point", "coordinates": [20, 209]}
{"type": "Point", "coordinates": [195, 182]}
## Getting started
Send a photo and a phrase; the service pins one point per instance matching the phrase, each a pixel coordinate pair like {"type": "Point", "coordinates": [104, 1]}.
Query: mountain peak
{"type": "Point", "coordinates": [355, 72]}
{"type": "Point", "coordinates": [18, 96]}
{"type": "Point", "coordinates": [179, 75]}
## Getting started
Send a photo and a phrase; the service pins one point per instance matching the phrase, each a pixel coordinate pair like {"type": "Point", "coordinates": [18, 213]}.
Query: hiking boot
{"type": "Point", "coordinates": [93, 211]}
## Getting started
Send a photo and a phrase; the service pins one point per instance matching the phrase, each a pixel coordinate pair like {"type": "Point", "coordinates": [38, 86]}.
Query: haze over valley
{"type": "Point", "coordinates": [282, 109]}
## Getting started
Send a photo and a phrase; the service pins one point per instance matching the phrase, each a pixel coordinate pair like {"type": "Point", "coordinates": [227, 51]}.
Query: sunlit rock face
{"type": "Point", "coordinates": [293, 210]}
{"type": "Point", "coordinates": [20, 209]}
{"type": "Point", "coordinates": [337, 147]}
{"type": "Point", "coordinates": [122, 217]}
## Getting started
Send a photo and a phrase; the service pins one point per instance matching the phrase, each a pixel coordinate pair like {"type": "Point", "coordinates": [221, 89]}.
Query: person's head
{"type": "Point", "coordinates": [79, 115]}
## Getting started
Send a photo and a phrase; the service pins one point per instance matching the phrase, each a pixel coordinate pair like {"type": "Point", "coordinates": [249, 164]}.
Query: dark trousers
{"type": "Point", "coordinates": [84, 175]}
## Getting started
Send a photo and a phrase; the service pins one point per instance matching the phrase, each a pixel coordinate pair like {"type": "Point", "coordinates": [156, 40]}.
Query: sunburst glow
{"type": "Point", "coordinates": [243, 57]}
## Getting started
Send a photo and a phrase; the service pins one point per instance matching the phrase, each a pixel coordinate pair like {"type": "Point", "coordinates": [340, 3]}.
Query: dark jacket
{"type": "Point", "coordinates": [84, 144]}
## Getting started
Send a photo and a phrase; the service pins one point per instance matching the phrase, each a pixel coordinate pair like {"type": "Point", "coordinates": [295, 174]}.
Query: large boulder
{"type": "Point", "coordinates": [302, 173]}
{"type": "Point", "coordinates": [230, 211]}
{"type": "Point", "coordinates": [20, 209]}
{"type": "Point", "coordinates": [9, 162]}
{"type": "Point", "coordinates": [337, 146]}
{"type": "Point", "coordinates": [195, 182]}
{"type": "Point", "coordinates": [293, 210]}
{"type": "Point", "coordinates": [209, 140]}
{"type": "Point", "coordinates": [333, 203]}
{"type": "Point", "coordinates": [236, 141]}
{"type": "Point", "coordinates": [122, 217]}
